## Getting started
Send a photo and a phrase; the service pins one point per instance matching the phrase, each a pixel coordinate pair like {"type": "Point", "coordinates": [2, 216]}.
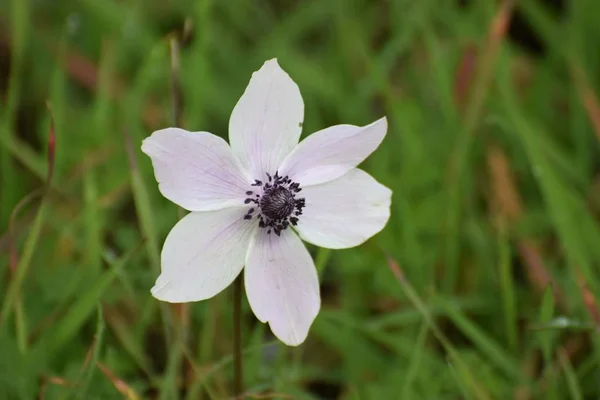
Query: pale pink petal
{"type": "Point", "coordinates": [266, 122]}
{"type": "Point", "coordinates": [282, 285]}
{"type": "Point", "coordinates": [345, 212]}
{"type": "Point", "coordinates": [196, 170]}
{"type": "Point", "coordinates": [203, 254]}
{"type": "Point", "coordinates": [330, 153]}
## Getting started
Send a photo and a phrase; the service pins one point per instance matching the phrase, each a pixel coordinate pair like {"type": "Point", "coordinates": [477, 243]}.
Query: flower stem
{"type": "Point", "coordinates": [238, 373]}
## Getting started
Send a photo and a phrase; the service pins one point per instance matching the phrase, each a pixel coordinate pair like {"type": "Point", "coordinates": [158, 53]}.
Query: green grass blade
{"type": "Point", "coordinates": [572, 382]}
{"type": "Point", "coordinates": [16, 283]}
{"type": "Point", "coordinates": [98, 342]}
{"type": "Point", "coordinates": [415, 364]}
{"type": "Point", "coordinates": [507, 283]}
{"type": "Point", "coordinates": [462, 367]}
{"type": "Point", "coordinates": [81, 310]}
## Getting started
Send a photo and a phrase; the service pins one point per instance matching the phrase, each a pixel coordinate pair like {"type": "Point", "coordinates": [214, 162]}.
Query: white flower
{"type": "Point", "coordinates": [248, 200]}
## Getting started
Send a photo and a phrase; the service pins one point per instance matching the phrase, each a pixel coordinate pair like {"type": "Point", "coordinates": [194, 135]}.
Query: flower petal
{"type": "Point", "coordinates": [196, 170]}
{"type": "Point", "coordinates": [330, 153]}
{"type": "Point", "coordinates": [282, 285]}
{"type": "Point", "coordinates": [345, 212]}
{"type": "Point", "coordinates": [266, 122]}
{"type": "Point", "coordinates": [203, 254]}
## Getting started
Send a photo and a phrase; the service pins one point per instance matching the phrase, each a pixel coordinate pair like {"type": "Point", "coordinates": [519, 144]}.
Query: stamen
{"type": "Point", "coordinates": [279, 208]}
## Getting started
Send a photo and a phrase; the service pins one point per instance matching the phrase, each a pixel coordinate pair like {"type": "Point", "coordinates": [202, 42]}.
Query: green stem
{"type": "Point", "coordinates": [238, 371]}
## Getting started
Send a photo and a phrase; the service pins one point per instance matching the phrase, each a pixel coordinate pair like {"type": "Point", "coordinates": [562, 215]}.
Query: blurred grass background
{"type": "Point", "coordinates": [482, 286]}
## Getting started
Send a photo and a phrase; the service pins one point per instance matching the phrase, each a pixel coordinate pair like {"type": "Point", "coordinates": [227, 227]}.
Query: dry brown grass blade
{"type": "Point", "coordinates": [505, 199]}
{"type": "Point", "coordinates": [507, 203]}
{"type": "Point", "coordinates": [51, 146]}
{"type": "Point", "coordinates": [477, 65]}
{"type": "Point", "coordinates": [501, 22]}
{"type": "Point", "coordinates": [55, 380]}
{"type": "Point", "coordinates": [118, 383]}
{"type": "Point", "coordinates": [464, 75]}
{"type": "Point", "coordinates": [89, 354]}
{"type": "Point", "coordinates": [537, 272]}
{"type": "Point", "coordinates": [176, 91]}
{"type": "Point", "coordinates": [589, 299]}
{"type": "Point", "coordinates": [498, 29]}
{"type": "Point", "coordinates": [181, 311]}
{"type": "Point", "coordinates": [588, 98]}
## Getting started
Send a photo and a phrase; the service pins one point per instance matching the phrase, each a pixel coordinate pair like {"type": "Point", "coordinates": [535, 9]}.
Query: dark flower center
{"type": "Point", "coordinates": [277, 203]}
{"type": "Point", "coordinates": [278, 206]}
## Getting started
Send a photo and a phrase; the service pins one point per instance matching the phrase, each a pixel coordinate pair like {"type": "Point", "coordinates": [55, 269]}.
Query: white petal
{"type": "Point", "coordinates": [266, 122]}
{"type": "Point", "coordinates": [196, 170]}
{"type": "Point", "coordinates": [203, 254]}
{"type": "Point", "coordinates": [330, 153]}
{"type": "Point", "coordinates": [345, 212]}
{"type": "Point", "coordinates": [282, 285]}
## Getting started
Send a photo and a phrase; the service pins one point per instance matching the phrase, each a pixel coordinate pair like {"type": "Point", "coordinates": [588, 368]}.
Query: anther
{"type": "Point", "coordinates": [277, 203]}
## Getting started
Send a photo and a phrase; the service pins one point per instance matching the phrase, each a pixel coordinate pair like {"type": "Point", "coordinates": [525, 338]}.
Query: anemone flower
{"type": "Point", "coordinates": [251, 201]}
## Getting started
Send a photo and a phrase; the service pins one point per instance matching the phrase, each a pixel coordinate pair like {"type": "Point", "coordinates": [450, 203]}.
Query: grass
{"type": "Point", "coordinates": [482, 286]}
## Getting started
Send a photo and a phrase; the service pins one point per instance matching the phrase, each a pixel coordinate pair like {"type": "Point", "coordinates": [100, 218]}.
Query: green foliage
{"type": "Point", "coordinates": [491, 154]}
